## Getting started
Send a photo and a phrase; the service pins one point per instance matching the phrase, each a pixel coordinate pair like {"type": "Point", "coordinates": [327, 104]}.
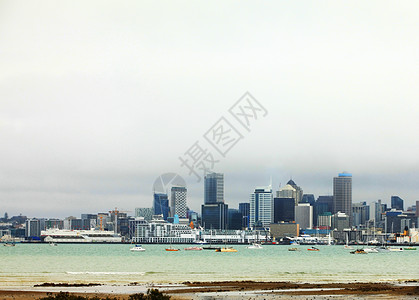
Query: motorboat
{"type": "Point", "coordinates": [358, 251]}
{"type": "Point", "coordinates": [52, 244]}
{"type": "Point", "coordinates": [293, 249]}
{"type": "Point", "coordinates": [347, 247]}
{"type": "Point", "coordinates": [313, 249]}
{"type": "Point", "coordinates": [137, 248]}
{"type": "Point", "coordinates": [371, 250]}
{"type": "Point", "coordinates": [172, 249]}
{"type": "Point", "coordinates": [211, 248]}
{"type": "Point", "coordinates": [255, 246]}
{"type": "Point", "coordinates": [193, 248]}
{"type": "Point", "coordinates": [409, 248]}
{"type": "Point", "coordinates": [226, 250]}
{"type": "Point", "coordinates": [9, 244]}
{"type": "Point", "coordinates": [396, 249]}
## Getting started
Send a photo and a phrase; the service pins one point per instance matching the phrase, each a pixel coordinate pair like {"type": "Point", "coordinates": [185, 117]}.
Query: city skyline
{"type": "Point", "coordinates": [97, 101]}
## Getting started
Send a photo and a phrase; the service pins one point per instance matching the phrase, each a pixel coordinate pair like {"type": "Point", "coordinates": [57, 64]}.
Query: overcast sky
{"type": "Point", "coordinates": [99, 98]}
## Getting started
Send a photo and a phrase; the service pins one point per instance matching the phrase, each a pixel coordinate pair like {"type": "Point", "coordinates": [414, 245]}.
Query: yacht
{"type": "Point", "coordinates": [137, 248]}
{"type": "Point", "coordinates": [193, 248]}
{"type": "Point", "coordinates": [371, 250]}
{"type": "Point", "coordinates": [255, 246]}
{"type": "Point", "coordinates": [230, 249]}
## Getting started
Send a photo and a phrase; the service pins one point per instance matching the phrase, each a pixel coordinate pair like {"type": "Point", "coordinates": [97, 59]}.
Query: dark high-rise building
{"type": "Point", "coordinates": [342, 195]}
{"type": "Point", "coordinates": [215, 216]}
{"type": "Point", "coordinates": [244, 209]}
{"type": "Point", "coordinates": [328, 200]}
{"type": "Point", "coordinates": [234, 219]}
{"type": "Point", "coordinates": [214, 188]}
{"type": "Point", "coordinates": [323, 205]}
{"type": "Point", "coordinates": [397, 202]}
{"type": "Point", "coordinates": [284, 210]}
{"type": "Point", "coordinates": [161, 205]}
{"type": "Point", "coordinates": [308, 198]}
{"type": "Point", "coordinates": [417, 209]}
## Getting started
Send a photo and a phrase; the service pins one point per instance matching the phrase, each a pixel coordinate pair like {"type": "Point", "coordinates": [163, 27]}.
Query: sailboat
{"type": "Point", "coordinates": [347, 247]}
{"type": "Point", "coordinates": [210, 246]}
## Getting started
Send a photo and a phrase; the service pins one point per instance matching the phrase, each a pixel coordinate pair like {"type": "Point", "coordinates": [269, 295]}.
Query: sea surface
{"type": "Point", "coordinates": [27, 264]}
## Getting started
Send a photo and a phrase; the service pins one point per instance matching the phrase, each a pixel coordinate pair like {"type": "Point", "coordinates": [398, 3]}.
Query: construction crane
{"type": "Point", "coordinates": [116, 212]}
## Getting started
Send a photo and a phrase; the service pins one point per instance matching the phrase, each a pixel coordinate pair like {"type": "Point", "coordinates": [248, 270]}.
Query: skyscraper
{"type": "Point", "coordinates": [284, 210]}
{"type": "Point", "coordinates": [261, 207]}
{"type": "Point", "coordinates": [397, 202]}
{"type": "Point", "coordinates": [161, 205]}
{"type": "Point", "coordinates": [244, 209]}
{"type": "Point", "coordinates": [215, 216]}
{"type": "Point", "coordinates": [304, 215]}
{"type": "Point", "coordinates": [214, 211]}
{"type": "Point", "coordinates": [342, 194]}
{"type": "Point", "coordinates": [214, 188]}
{"type": "Point", "coordinates": [178, 202]}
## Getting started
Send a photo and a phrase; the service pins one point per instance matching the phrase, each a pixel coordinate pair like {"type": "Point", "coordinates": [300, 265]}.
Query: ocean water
{"type": "Point", "coordinates": [27, 264]}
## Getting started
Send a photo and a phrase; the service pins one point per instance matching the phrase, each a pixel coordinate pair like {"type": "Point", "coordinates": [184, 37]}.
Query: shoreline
{"type": "Point", "coordinates": [227, 289]}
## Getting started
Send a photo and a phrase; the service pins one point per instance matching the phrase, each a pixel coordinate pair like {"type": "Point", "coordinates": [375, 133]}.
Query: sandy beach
{"type": "Point", "coordinates": [236, 290]}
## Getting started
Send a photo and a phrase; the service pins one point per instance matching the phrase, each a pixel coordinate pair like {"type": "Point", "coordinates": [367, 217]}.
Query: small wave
{"type": "Point", "coordinates": [106, 273]}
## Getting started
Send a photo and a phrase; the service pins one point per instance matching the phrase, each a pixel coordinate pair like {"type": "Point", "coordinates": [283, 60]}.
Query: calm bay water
{"type": "Point", "coordinates": [29, 264]}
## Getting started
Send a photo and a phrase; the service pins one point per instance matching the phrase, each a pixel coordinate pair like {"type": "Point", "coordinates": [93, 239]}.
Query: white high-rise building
{"type": "Point", "coordinates": [261, 207]}
{"type": "Point", "coordinates": [178, 202]}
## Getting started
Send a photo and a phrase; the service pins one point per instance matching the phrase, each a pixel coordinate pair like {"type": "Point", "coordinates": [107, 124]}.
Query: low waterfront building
{"type": "Point", "coordinates": [162, 232]}
{"type": "Point", "coordinates": [282, 230]}
{"type": "Point", "coordinates": [79, 236]}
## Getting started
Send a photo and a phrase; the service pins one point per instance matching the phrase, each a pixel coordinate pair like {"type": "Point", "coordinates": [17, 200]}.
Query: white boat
{"type": "Point", "coordinates": [255, 246]}
{"type": "Point", "coordinates": [347, 247]}
{"type": "Point", "coordinates": [383, 249]}
{"type": "Point", "coordinates": [371, 250]}
{"type": "Point", "coordinates": [52, 244]}
{"type": "Point", "coordinates": [396, 249]}
{"type": "Point", "coordinates": [137, 248]}
{"type": "Point", "coordinates": [8, 244]}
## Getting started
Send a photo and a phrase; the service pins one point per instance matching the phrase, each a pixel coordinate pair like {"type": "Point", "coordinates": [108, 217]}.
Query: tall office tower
{"type": "Point", "coordinates": [33, 227]}
{"type": "Point", "coordinates": [215, 216]}
{"type": "Point", "coordinates": [234, 219]}
{"type": "Point", "coordinates": [417, 209]}
{"type": "Point", "coordinates": [214, 211]}
{"type": "Point", "coordinates": [244, 209]}
{"type": "Point", "coordinates": [304, 215]}
{"type": "Point", "coordinates": [323, 205]}
{"type": "Point", "coordinates": [178, 202]}
{"type": "Point", "coordinates": [397, 202]}
{"type": "Point", "coordinates": [161, 205]}
{"type": "Point", "coordinates": [342, 194]}
{"type": "Point", "coordinates": [360, 213]}
{"type": "Point", "coordinates": [290, 190]}
{"type": "Point", "coordinates": [214, 188]}
{"type": "Point", "coordinates": [144, 212]}
{"type": "Point", "coordinates": [284, 210]}
{"type": "Point", "coordinates": [261, 207]}
{"type": "Point", "coordinates": [308, 198]}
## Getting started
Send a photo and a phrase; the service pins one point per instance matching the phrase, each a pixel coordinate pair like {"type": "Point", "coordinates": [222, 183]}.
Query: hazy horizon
{"type": "Point", "coordinates": [98, 99]}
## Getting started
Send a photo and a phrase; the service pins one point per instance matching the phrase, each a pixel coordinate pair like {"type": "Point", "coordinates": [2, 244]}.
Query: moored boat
{"type": "Point", "coordinates": [255, 246]}
{"type": "Point", "coordinates": [193, 248]}
{"type": "Point", "coordinates": [226, 250]}
{"type": "Point", "coordinates": [313, 249]}
{"type": "Point", "coordinates": [358, 251]}
{"type": "Point", "coordinates": [137, 248]}
{"type": "Point", "coordinates": [293, 249]}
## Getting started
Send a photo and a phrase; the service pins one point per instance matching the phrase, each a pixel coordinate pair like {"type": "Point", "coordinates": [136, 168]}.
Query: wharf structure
{"type": "Point", "coordinates": [162, 232]}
